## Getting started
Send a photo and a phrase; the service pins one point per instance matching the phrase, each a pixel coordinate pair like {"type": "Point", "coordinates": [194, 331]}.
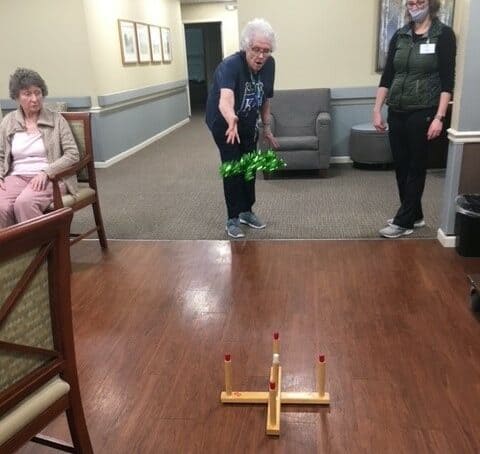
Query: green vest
{"type": "Point", "coordinates": [416, 83]}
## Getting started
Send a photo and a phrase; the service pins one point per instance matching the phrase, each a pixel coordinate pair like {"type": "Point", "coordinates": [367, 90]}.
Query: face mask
{"type": "Point", "coordinates": [418, 15]}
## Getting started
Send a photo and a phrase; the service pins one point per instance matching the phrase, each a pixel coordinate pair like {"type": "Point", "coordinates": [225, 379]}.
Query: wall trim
{"type": "Point", "coordinates": [140, 146]}
{"type": "Point", "coordinates": [446, 240]}
{"type": "Point", "coordinates": [463, 136]}
{"type": "Point", "coordinates": [353, 93]}
{"type": "Point", "coordinates": [73, 102]}
{"type": "Point", "coordinates": [340, 160]}
{"type": "Point", "coordinates": [136, 93]}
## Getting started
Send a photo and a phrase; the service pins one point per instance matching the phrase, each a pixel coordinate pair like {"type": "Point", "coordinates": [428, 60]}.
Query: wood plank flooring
{"type": "Point", "coordinates": [153, 320]}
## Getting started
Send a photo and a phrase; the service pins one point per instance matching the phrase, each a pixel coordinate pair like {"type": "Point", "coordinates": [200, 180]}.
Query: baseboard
{"type": "Point", "coordinates": [446, 240]}
{"type": "Point", "coordinates": [140, 146]}
{"type": "Point", "coordinates": [340, 160]}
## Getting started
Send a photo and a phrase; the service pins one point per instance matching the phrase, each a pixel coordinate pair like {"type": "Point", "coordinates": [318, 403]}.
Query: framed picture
{"type": "Point", "coordinates": [166, 45]}
{"type": "Point", "coordinates": [143, 43]}
{"type": "Point", "coordinates": [128, 41]}
{"type": "Point", "coordinates": [155, 43]}
{"type": "Point", "coordinates": [392, 17]}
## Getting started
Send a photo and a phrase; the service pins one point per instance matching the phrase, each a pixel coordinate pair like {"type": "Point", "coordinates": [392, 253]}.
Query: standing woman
{"type": "Point", "coordinates": [35, 145]}
{"type": "Point", "coordinates": [417, 85]}
{"type": "Point", "coordinates": [242, 86]}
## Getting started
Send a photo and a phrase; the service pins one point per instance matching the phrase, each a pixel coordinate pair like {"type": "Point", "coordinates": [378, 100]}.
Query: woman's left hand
{"type": "Point", "coordinates": [269, 137]}
{"type": "Point", "coordinates": [39, 181]}
{"type": "Point", "coordinates": [435, 129]}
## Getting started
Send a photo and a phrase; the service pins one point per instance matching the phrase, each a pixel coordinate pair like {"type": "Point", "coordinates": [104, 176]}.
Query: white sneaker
{"type": "Point", "coordinates": [416, 225]}
{"type": "Point", "coordinates": [395, 231]}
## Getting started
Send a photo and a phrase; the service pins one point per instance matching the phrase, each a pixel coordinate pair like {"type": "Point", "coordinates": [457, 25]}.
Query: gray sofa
{"type": "Point", "coordinates": [301, 123]}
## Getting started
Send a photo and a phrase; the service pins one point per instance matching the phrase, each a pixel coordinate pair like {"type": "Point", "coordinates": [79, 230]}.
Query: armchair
{"type": "Point", "coordinates": [85, 170]}
{"type": "Point", "coordinates": [38, 373]}
{"type": "Point", "coordinates": [301, 122]}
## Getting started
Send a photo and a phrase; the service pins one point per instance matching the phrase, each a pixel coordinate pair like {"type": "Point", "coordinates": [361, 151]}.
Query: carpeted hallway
{"type": "Point", "coordinates": [172, 190]}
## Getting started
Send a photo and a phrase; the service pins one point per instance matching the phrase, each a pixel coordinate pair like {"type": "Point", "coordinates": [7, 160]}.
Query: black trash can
{"type": "Point", "coordinates": [467, 225]}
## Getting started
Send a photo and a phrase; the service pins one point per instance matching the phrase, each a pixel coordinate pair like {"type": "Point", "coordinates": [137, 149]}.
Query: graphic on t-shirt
{"type": "Point", "coordinates": [252, 98]}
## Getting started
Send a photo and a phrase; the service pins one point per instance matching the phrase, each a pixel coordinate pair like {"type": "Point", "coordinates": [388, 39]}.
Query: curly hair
{"type": "Point", "coordinates": [257, 27]}
{"type": "Point", "coordinates": [23, 78]}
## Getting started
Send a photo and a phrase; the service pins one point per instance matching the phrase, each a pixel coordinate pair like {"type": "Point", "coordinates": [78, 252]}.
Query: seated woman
{"type": "Point", "coordinates": [35, 144]}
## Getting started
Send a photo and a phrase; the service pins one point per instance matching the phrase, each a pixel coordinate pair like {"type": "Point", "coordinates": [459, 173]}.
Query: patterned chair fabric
{"type": "Point", "coordinates": [38, 374]}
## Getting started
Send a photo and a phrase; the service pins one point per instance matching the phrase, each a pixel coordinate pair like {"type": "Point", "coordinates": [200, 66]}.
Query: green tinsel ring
{"type": "Point", "coordinates": [251, 163]}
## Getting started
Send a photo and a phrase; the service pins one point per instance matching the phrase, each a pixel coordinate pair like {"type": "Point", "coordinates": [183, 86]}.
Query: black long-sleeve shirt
{"type": "Point", "coordinates": [446, 51]}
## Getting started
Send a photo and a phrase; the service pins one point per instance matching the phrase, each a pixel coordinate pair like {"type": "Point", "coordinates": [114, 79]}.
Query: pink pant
{"type": "Point", "coordinates": [19, 202]}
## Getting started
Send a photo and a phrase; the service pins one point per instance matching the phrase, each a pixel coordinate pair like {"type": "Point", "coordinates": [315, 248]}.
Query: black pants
{"type": "Point", "coordinates": [239, 194]}
{"type": "Point", "coordinates": [408, 141]}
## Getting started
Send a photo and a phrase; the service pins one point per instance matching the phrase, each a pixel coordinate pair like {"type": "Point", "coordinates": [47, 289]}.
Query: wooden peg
{"type": "Point", "coordinates": [276, 343]}
{"type": "Point", "coordinates": [228, 374]}
{"type": "Point", "coordinates": [321, 366]}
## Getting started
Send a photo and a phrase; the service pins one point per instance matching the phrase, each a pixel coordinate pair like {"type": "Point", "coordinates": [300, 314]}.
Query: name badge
{"type": "Point", "coordinates": [427, 48]}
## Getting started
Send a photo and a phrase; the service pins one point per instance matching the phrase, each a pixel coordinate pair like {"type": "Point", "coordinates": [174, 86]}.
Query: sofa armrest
{"type": "Point", "coordinates": [261, 145]}
{"type": "Point", "coordinates": [323, 131]}
{"type": "Point", "coordinates": [323, 119]}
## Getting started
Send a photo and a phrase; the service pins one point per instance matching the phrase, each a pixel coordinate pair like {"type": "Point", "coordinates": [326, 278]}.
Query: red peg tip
{"type": "Point", "coordinates": [272, 385]}
{"type": "Point", "coordinates": [275, 335]}
{"type": "Point", "coordinates": [227, 357]}
{"type": "Point", "coordinates": [321, 358]}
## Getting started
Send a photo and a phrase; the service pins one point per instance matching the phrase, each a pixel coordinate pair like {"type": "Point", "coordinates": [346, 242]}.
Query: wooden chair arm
{"type": "Point", "coordinates": [73, 169]}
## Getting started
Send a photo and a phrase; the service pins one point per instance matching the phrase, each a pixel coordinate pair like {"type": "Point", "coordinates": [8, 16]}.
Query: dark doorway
{"type": "Point", "coordinates": [204, 53]}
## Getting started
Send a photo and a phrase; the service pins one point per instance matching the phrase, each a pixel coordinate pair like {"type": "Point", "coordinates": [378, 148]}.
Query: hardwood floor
{"type": "Point", "coordinates": [153, 320]}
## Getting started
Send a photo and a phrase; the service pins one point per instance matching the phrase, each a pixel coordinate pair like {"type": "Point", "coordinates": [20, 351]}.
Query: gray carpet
{"type": "Point", "coordinates": [172, 190]}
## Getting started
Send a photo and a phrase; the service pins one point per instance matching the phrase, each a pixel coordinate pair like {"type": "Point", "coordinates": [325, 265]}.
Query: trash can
{"type": "Point", "coordinates": [467, 225]}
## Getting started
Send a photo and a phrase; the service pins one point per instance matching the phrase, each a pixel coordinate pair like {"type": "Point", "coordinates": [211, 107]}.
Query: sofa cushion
{"type": "Point", "coordinates": [298, 143]}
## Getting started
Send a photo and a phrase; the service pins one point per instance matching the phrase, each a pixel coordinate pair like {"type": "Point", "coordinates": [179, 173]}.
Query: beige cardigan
{"type": "Point", "coordinates": [57, 137]}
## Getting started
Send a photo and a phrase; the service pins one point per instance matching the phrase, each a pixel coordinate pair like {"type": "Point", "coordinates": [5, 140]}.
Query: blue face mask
{"type": "Point", "coordinates": [419, 15]}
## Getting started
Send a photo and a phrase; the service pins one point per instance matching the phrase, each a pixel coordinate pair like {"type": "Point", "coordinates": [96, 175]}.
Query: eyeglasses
{"type": "Point", "coordinates": [31, 93]}
{"type": "Point", "coordinates": [419, 3]}
{"type": "Point", "coordinates": [259, 50]}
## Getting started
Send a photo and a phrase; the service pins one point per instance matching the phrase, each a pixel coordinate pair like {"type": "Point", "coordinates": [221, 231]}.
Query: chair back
{"type": "Point", "coordinates": [295, 111]}
{"type": "Point", "coordinates": [36, 341]}
{"type": "Point", "coordinates": [80, 124]}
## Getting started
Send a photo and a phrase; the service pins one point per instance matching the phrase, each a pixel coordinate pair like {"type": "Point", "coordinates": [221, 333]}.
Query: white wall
{"type": "Point", "coordinates": [50, 37]}
{"type": "Point", "coordinates": [74, 44]}
{"type": "Point", "coordinates": [327, 43]}
{"type": "Point", "coordinates": [101, 21]}
{"type": "Point", "coordinates": [215, 12]}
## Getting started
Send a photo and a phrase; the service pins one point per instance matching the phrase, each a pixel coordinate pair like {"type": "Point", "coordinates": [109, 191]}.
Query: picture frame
{"type": "Point", "coordinates": [143, 42]}
{"type": "Point", "coordinates": [128, 41]}
{"type": "Point", "coordinates": [392, 17]}
{"type": "Point", "coordinates": [155, 43]}
{"type": "Point", "coordinates": [166, 44]}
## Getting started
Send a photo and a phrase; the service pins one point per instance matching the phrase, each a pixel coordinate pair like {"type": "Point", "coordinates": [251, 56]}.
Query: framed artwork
{"type": "Point", "coordinates": [392, 17]}
{"type": "Point", "coordinates": [155, 43]}
{"type": "Point", "coordinates": [128, 41]}
{"type": "Point", "coordinates": [166, 45]}
{"type": "Point", "coordinates": [143, 43]}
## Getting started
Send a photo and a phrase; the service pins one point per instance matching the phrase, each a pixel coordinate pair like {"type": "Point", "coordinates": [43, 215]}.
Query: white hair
{"type": "Point", "coordinates": [254, 28]}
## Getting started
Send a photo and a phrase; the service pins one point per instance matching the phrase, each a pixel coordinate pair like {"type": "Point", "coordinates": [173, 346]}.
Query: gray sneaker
{"type": "Point", "coordinates": [395, 231]}
{"type": "Point", "coordinates": [233, 228]}
{"type": "Point", "coordinates": [416, 225]}
{"type": "Point", "coordinates": [252, 220]}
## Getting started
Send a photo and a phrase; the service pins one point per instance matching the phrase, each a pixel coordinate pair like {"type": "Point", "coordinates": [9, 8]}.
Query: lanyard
{"type": "Point", "coordinates": [256, 85]}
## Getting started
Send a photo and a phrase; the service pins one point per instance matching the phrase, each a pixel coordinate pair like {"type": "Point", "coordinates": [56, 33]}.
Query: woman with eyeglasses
{"type": "Point", "coordinates": [35, 144]}
{"type": "Point", "coordinates": [242, 86]}
{"type": "Point", "coordinates": [417, 85]}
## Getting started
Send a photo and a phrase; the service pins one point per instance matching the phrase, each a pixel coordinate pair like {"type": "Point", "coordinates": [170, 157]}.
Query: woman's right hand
{"type": "Point", "coordinates": [378, 122]}
{"type": "Point", "coordinates": [232, 130]}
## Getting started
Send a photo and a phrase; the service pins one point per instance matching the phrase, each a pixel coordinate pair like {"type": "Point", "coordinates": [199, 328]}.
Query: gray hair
{"type": "Point", "coordinates": [23, 78]}
{"type": "Point", "coordinates": [254, 28]}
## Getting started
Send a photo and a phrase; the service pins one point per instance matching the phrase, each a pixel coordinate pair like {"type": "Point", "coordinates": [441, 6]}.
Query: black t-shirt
{"type": "Point", "coordinates": [446, 50]}
{"type": "Point", "coordinates": [250, 89]}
